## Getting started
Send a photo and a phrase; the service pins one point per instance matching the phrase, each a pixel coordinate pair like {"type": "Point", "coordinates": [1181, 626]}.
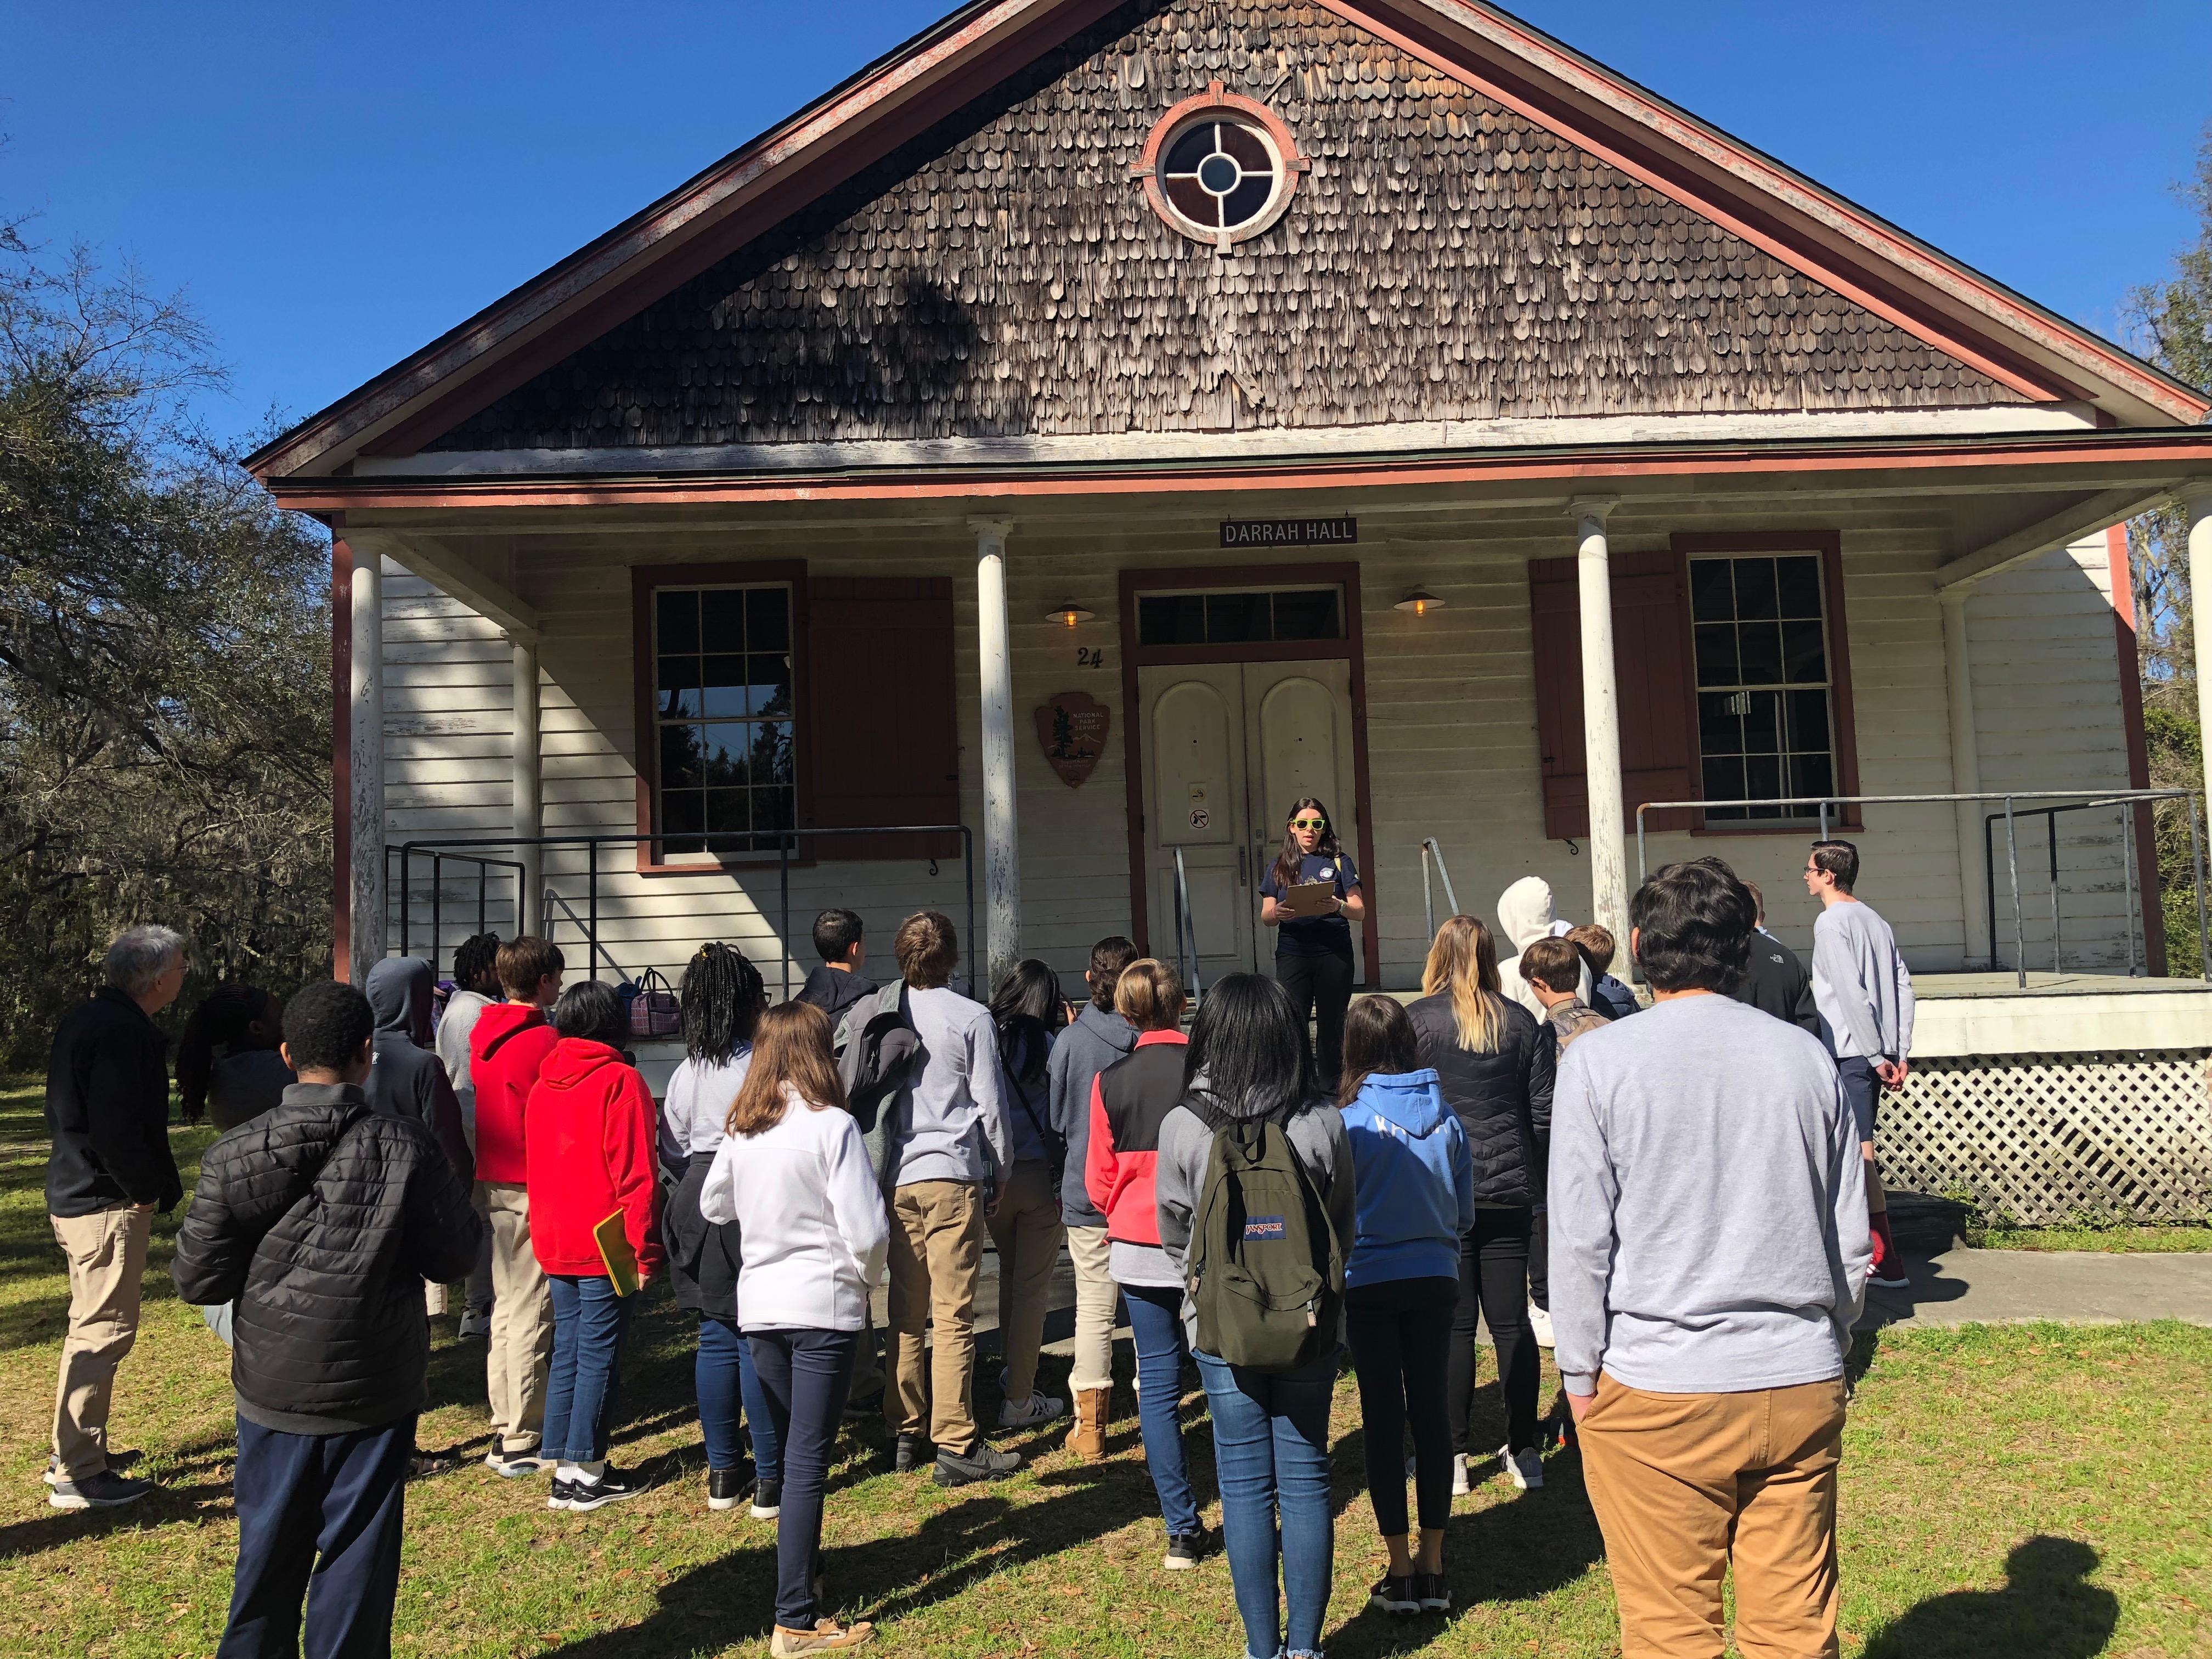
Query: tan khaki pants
{"type": "Point", "coordinates": [521, 1346]}
{"type": "Point", "coordinates": [936, 1257]}
{"type": "Point", "coordinates": [1088, 1249]}
{"type": "Point", "coordinates": [1688, 1486]}
{"type": "Point", "coordinates": [1026, 1233]}
{"type": "Point", "coordinates": [106, 1256]}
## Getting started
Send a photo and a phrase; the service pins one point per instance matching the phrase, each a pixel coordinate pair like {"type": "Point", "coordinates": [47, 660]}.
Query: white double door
{"type": "Point", "coordinates": [1228, 748]}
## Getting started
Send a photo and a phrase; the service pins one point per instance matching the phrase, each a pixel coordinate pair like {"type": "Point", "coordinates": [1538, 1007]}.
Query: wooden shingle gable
{"type": "Point", "coordinates": [1446, 258]}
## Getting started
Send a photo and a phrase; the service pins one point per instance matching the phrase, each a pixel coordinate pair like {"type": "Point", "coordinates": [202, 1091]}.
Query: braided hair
{"type": "Point", "coordinates": [219, 1022]}
{"type": "Point", "coordinates": [721, 998]}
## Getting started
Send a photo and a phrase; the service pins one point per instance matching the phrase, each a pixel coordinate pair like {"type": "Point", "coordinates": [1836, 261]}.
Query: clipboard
{"type": "Point", "coordinates": [615, 1251]}
{"type": "Point", "coordinates": [1306, 899]}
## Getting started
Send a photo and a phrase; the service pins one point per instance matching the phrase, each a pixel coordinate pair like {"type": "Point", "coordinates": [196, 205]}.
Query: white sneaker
{"type": "Point", "coordinates": [1541, 1323]}
{"type": "Point", "coordinates": [1459, 1474]}
{"type": "Point", "coordinates": [1527, 1468]}
{"type": "Point", "coordinates": [476, 1324]}
{"type": "Point", "coordinates": [1037, 1409]}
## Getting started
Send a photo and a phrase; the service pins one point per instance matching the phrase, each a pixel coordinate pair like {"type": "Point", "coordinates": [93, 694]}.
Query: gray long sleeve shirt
{"type": "Point", "coordinates": [949, 1122]}
{"type": "Point", "coordinates": [1708, 1207]}
{"type": "Point", "coordinates": [1861, 984]}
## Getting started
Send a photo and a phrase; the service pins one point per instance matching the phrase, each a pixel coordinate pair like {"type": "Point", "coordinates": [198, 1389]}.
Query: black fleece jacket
{"type": "Point", "coordinates": [320, 1220]}
{"type": "Point", "coordinates": [107, 1110]}
{"type": "Point", "coordinates": [1502, 1098]}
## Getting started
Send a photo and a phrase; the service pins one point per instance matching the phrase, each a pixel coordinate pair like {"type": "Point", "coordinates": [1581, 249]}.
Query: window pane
{"type": "Point", "coordinates": [726, 810]}
{"type": "Point", "coordinates": [771, 810]}
{"type": "Point", "coordinates": [1720, 731]}
{"type": "Point", "coordinates": [767, 619]}
{"type": "Point", "coordinates": [678, 680]}
{"type": "Point", "coordinates": [1761, 645]}
{"type": "Point", "coordinates": [722, 619]}
{"type": "Point", "coordinates": [1189, 150]}
{"type": "Point", "coordinates": [682, 810]}
{"type": "Point", "coordinates": [771, 685]}
{"type": "Point", "coordinates": [1716, 654]}
{"type": "Point", "coordinates": [1246, 147]}
{"type": "Point", "coordinates": [1171, 619]}
{"type": "Point", "coordinates": [1811, 774]}
{"type": "Point", "coordinates": [1808, 719]}
{"type": "Point", "coordinates": [1307, 616]}
{"type": "Point", "coordinates": [1724, 778]}
{"type": "Point", "coordinates": [1804, 657]}
{"type": "Point", "coordinates": [1800, 587]}
{"type": "Point", "coordinates": [681, 766]}
{"type": "Point", "coordinates": [678, 613]}
{"type": "Point", "coordinates": [1236, 618]}
{"type": "Point", "coordinates": [1755, 588]}
{"type": "Point", "coordinates": [1192, 201]}
{"type": "Point", "coordinates": [771, 752]}
{"type": "Point", "coordinates": [1762, 776]}
{"type": "Point", "coordinates": [1245, 201]}
{"type": "Point", "coordinates": [726, 681]}
{"type": "Point", "coordinates": [1710, 597]}
{"type": "Point", "coordinates": [1762, 723]}
{"type": "Point", "coordinates": [723, 751]}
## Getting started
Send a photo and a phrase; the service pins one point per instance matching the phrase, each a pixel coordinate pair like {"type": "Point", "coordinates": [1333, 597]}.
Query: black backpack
{"type": "Point", "coordinates": [1265, 1264]}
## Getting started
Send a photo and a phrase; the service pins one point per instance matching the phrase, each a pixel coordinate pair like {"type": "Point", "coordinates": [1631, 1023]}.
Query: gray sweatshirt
{"type": "Point", "coordinates": [1861, 984]}
{"type": "Point", "coordinates": [1318, 1139]}
{"type": "Point", "coordinates": [1708, 1206]}
{"type": "Point", "coordinates": [949, 1122]}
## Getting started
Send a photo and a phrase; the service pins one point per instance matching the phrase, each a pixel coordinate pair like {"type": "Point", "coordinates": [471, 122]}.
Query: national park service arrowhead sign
{"type": "Point", "coordinates": [1072, 728]}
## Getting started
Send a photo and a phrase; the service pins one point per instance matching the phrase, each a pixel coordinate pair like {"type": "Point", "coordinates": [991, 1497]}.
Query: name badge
{"type": "Point", "coordinates": [1258, 1228]}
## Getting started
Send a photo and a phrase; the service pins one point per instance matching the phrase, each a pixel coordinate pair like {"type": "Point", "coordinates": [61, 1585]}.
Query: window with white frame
{"type": "Point", "coordinates": [723, 712]}
{"type": "Point", "coordinates": [1765, 690]}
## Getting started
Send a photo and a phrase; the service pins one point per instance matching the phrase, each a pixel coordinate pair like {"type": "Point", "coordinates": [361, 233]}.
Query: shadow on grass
{"type": "Point", "coordinates": [2047, 1610]}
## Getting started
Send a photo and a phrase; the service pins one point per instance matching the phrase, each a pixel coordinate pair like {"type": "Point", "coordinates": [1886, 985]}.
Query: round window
{"type": "Point", "coordinates": [1219, 167]}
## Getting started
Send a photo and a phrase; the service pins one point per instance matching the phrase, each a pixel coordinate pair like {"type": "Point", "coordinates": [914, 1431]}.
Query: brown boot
{"type": "Point", "coordinates": [828, 1636]}
{"type": "Point", "coordinates": [1093, 1407]}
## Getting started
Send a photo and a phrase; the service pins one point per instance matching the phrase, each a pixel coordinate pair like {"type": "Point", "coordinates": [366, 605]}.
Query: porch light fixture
{"type": "Point", "coordinates": [1420, 602]}
{"type": "Point", "coordinates": [1069, 613]}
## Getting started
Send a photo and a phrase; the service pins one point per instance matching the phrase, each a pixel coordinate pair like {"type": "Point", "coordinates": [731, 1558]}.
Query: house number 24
{"type": "Point", "coordinates": [1088, 656]}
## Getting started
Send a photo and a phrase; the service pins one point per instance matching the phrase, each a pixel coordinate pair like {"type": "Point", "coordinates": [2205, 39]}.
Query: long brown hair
{"type": "Point", "coordinates": [1464, 962]}
{"type": "Point", "coordinates": [1288, 862]}
{"type": "Point", "coordinates": [1379, 1036]}
{"type": "Point", "coordinates": [791, 1045]}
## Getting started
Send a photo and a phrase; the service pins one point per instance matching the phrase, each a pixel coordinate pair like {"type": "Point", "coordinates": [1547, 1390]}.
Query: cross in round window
{"type": "Point", "coordinates": [1220, 167]}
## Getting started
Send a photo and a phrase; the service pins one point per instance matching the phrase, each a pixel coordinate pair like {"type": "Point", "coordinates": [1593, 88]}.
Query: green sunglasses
{"type": "Point", "coordinates": [1308, 823]}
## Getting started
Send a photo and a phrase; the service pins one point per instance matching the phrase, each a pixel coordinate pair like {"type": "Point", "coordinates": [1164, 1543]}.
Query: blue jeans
{"type": "Point", "coordinates": [1156, 1323]}
{"type": "Point", "coordinates": [806, 1376]}
{"type": "Point", "coordinates": [319, 1517]}
{"type": "Point", "coordinates": [730, 1390]}
{"type": "Point", "coordinates": [589, 1321]}
{"type": "Point", "coordinates": [1271, 1456]}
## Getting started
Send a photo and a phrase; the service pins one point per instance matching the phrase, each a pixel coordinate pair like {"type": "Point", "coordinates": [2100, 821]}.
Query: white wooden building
{"type": "Point", "coordinates": [1371, 399]}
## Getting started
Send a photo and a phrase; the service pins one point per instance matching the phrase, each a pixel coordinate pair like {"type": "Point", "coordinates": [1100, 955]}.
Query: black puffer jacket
{"type": "Point", "coordinates": [1503, 1099]}
{"type": "Point", "coordinates": [703, 1257]}
{"type": "Point", "coordinates": [321, 1219]}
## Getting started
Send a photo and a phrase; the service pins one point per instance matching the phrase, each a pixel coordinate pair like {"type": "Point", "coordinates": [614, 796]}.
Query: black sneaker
{"type": "Point", "coordinates": [611, 1487]}
{"type": "Point", "coordinates": [1185, 1551]}
{"type": "Point", "coordinates": [104, 1490]}
{"type": "Point", "coordinates": [1435, 1591]}
{"type": "Point", "coordinates": [119, 1463]}
{"type": "Point", "coordinates": [984, 1463]}
{"type": "Point", "coordinates": [768, 1500]}
{"type": "Point", "coordinates": [909, 1453]}
{"type": "Point", "coordinates": [1397, 1595]}
{"type": "Point", "coordinates": [562, 1492]}
{"type": "Point", "coordinates": [727, 1488]}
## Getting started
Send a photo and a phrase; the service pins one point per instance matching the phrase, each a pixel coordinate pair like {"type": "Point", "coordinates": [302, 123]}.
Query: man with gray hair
{"type": "Point", "coordinates": [108, 1169]}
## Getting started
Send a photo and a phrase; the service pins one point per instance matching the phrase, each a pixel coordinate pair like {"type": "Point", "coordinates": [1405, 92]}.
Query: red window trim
{"type": "Point", "coordinates": [645, 580]}
{"type": "Point", "coordinates": [1829, 544]}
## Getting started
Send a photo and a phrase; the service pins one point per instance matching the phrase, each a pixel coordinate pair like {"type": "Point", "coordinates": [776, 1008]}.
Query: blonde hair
{"type": "Point", "coordinates": [1464, 962]}
{"type": "Point", "coordinates": [1149, 995]}
{"type": "Point", "coordinates": [790, 1045]}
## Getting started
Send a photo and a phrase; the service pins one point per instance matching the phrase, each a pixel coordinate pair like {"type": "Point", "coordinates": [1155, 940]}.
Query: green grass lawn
{"type": "Point", "coordinates": [2082, 1456]}
{"type": "Point", "coordinates": [2106, 1241]}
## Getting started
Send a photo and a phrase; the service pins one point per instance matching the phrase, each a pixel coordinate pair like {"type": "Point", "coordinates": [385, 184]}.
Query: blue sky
{"type": "Point", "coordinates": [331, 186]}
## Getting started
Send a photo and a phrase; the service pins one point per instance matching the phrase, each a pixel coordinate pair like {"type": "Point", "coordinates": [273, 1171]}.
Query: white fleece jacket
{"type": "Point", "coordinates": [1524, 915]}
{"type": "Point", "coordinates": [811, 1225]}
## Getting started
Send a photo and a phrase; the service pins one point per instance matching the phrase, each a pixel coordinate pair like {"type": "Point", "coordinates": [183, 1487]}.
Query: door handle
{"type": "Point", "coordinates": [1244, 867]}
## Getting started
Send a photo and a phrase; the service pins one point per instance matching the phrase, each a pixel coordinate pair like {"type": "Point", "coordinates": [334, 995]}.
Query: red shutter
{"type": "Point", "coordinates": [884, 741]}
{"type": "Point", "coordinates": [1651, 661]}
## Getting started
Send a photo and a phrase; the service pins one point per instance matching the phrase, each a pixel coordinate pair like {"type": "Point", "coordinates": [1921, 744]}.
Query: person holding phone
{"type": "Point", "coordinates": [1313, 945]}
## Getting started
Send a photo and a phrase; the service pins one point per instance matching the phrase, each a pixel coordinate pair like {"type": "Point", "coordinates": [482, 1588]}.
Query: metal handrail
{"type": "Point", "coordinates": [1430, 849]}
{"type": "Point", "coordinates": [784, 839]}
{"type": "Point", "coordinates": [2050, 815]}
{"type": "Point", "coordinates": [2099, 800]}
{"type": "Point", "coordinates": [438, 861]}
{"type": "Point", "coordinates": [1186, 927]}
{"type": "Point", "coordinates": [594, 952]}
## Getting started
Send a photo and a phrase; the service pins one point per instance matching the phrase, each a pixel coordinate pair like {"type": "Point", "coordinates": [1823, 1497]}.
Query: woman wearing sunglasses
{"type": "Point", "coordinates": [1313, 952]}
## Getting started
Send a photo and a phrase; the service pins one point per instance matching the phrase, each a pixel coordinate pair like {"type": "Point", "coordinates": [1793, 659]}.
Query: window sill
{"type": "Point", "coordinates": [1788, 827]}
{"type": "Point", "coordinates": [722, 866]}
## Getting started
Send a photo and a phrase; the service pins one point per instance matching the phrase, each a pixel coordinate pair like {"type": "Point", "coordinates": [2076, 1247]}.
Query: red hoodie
{"type": "Point", "coordinates": [1129, 1100]}
{"type": "Point", "coordinates": [590, 1154]}
{"type": "Point", "coordinates": [509, 1043]}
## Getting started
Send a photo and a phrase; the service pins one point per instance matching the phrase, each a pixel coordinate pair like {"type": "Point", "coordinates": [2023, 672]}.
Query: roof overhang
{"type": "Point", "coordinates": [1833, 240]}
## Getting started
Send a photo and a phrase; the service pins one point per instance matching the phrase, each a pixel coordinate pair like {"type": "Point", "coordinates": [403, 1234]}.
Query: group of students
{"type": "Point", "coordinates": [1708, 1236]}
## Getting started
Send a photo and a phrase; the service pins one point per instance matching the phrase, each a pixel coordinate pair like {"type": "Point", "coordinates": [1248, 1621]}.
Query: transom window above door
{"type": "Point", "coordinates": [723, 710]}
{"type": "Point", "coordinates": [1766, 726]}
{"type": "Point", "coordinates": [1263, 617]}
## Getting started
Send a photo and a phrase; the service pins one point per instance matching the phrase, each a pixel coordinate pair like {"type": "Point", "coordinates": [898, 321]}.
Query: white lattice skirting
{"type": "Point", "coordinates": [2048, 1138]}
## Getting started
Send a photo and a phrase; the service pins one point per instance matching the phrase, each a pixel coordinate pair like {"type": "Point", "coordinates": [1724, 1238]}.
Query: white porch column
{"type": "Point", "coordinates": [369, 896]}
{"type": "Point", "coordinates": [1967, 775]}
{"type": "Point", "coordinates": [1002, 861]}
{"type": "Point", "coordinates": [2198, 499]}
{"type": "Point", "coordinates": [529, 813]}
{"type": "Point", "coordinates": [1601, 717]}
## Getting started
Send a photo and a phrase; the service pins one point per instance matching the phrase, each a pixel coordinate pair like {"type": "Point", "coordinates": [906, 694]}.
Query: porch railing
{"type": "Point", "coordinates": [460, 850]}
{"type": "Point", "coordinates": [1186, 930]}
{"type": "Point", "coordinates": [2126, 801]}
{"type": "Point", "coordinates": [1430, 849]}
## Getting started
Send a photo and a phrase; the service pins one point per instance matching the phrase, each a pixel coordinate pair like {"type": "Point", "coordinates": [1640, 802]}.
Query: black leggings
{"type": "Point", "coordinates": [1320, 987]}
{"type": "Point", "coordinates": [1400, 1332]}
{"type": "Point", "coordinates": [1539, 1261]}
{"type": "Point", "coordinates": [1493, 1276]}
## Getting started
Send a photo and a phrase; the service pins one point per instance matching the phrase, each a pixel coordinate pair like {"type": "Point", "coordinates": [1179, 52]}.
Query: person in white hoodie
{"type": "Point", "coordinates": [793, 1177]}
{"type": "Point", "coordinates": [1525, 914]}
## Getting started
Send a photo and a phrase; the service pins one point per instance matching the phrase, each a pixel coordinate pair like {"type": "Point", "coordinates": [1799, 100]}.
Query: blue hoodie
{"type": "Point", "coordinates": [1414, 1181]}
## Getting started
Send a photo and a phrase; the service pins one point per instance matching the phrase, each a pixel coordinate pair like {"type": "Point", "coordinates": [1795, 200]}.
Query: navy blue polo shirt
{"type": "Point", "coordinates": [1315, 936]}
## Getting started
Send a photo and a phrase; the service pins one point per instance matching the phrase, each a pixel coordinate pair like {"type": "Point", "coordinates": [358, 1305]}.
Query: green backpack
{"type": "Point", "coordinates": [1267, 1268]}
